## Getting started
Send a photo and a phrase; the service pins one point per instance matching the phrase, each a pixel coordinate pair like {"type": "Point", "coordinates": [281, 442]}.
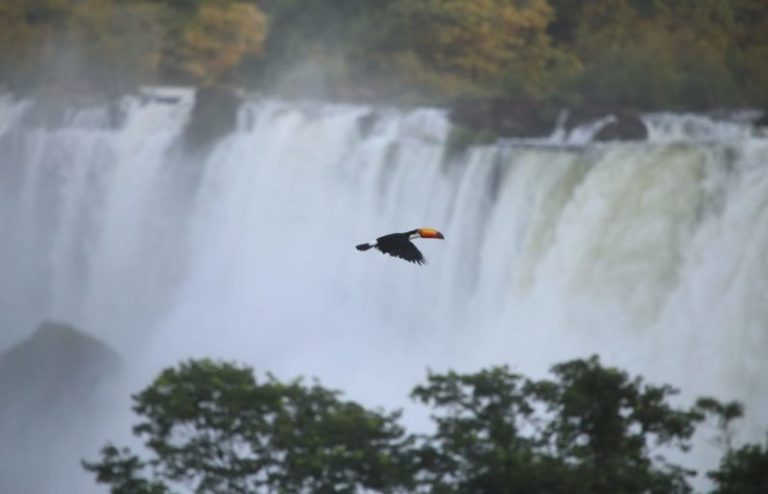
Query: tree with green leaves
{"type": "Point", "coordinates": [488, 435]}
{"type": "Point", "coordinates": [217, 40]}
{"type": "Point", "coordinates": [213, 428]}
{"type": "Point", "coordinates": [742, 471]}
{"type": "Point", "coordinates": [461, 47]}
{"type": "Point", "coordinates": [590, 429]}
{"type": "Point", "coordinates": [111, 46]}
{"type": "Point", "coordinates": [612, 427]}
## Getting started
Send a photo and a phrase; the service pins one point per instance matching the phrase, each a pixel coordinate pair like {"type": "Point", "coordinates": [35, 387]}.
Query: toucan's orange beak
{"type": "Point", "coordinates": [430, 233]}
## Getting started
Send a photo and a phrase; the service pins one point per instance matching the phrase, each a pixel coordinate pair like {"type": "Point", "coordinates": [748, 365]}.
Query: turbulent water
{"type": "Point", "coordinates": [652, 254]}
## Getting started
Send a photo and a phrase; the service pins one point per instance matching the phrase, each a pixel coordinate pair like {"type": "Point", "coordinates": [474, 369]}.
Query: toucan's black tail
{"type": "Point", "coordinates": [364, 246]}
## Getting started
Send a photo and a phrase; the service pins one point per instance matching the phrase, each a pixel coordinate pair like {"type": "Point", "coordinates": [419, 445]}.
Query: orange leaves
{"type": "Point", "coordinates": [218, 39]}
{"type": "Point", "coordinates": [479, 41]}
{"type": "Point", "coordinates": [118, 44]}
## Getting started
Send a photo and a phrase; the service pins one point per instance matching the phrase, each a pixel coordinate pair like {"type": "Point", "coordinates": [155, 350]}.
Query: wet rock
{"type": "Point", "coordinates": [504, 117]}
{"type": "Point", "coordinates": [366, 123]}
{"type": "Point", "coordinates": [213, 116]}
{"type": "Point", "coordinates": [762, 121]}
{"type": "Point", "coordinates": [626, 127]}
{"type": "Point", "coordinates": [56, 366]}
{"type": "Point", "coordinates": [53, 397]}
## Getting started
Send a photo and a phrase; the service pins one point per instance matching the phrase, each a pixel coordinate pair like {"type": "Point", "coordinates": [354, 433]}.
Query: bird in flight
{"type": "Point", "coordinates": [400, 245]}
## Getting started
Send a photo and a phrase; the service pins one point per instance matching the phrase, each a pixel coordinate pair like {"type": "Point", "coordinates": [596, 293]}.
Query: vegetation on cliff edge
{"type": "Point", "coordinates": [670, 54]}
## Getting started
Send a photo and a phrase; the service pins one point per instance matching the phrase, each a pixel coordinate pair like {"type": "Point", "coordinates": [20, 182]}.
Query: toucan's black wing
{"type": "Point", "coordinates": [404, 249]}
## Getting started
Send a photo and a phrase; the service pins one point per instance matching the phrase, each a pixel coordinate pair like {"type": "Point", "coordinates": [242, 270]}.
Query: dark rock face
{"type": "Point", "coordinates": [56, 365]}
{"type": "Point", "coordinates": [626, 127]}
{"type": "Point", "coordinates": [762, 121]}
{"type": "Point", "coordinates": [51, 396]}
{"type": "Point", "coordinates": [366, 123]}
{"type": "Point", "coordinates": [213, 116]}
{"type": "Point", "coordinates": [504, 117]}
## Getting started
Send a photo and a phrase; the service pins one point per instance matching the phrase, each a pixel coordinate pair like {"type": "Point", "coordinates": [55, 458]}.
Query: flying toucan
{"type": "Point", "coordinates": [400, 245]}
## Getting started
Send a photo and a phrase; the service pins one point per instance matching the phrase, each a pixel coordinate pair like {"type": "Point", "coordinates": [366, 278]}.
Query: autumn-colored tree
{"type": "Point", "coordinates": [471, 45]}
{"type": "Point", "coordinates": [524, 56]}
{"type": "Point", "coordinates": [219, 37]}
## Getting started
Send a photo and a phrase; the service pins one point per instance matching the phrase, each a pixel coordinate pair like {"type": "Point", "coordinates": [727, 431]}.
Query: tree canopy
{"type": "Point", "coordinates": [742, 471]}
{"type": "Point", "coordinates": [213, 427]}
{"type": "Point", "coordinates": [643, 55]}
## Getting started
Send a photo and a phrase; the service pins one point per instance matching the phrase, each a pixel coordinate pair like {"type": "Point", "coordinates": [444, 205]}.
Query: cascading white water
{"type": "Point", "coordinates": [652, 254]}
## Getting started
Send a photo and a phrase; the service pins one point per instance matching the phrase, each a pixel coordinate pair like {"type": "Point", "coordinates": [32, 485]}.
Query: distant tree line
{"type": "Point", "coordinates": [114, 45]}
{"type": "Point", "coordinates": [638, 54]}
{"type": "Point", "coordinates": [212, 427]}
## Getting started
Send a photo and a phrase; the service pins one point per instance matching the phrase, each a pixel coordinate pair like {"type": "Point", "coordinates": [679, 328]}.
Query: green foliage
{"type": "Point", "coordinates": [124, 472]}
{"type": "Point", "coordinates": [630, 54]}
{"type": "Point", "coordinates": [591, 430]}
{"type": "Point", "coordinates": [114, 45]}
{"type": "Point", "coordinates": [661, 55]}
{"type": "Point", "coordinates": [86, 45]}
{"type": "Point", "coordinates": [212, 427]}
{"type": "Point", "coordinates": [218, 38]}
{"type": "Point", "coordinates": [681, 54]}
{"type": "Point", "coordinates": [724, 414]}
{"type": "Point", "coordinates": [748, 49]}
{"type": "Point", "coordinates": [118, 45]}
{"type": "Point", "coordinates": [473, 46]}
{"type": "Point", "coordinates": [610, 424]}
{"type": "Point", "coordinates": [742, 471]}
{"type": "Point", "coordinates": [481, 443]}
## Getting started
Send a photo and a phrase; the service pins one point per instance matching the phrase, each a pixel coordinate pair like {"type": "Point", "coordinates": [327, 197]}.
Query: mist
{"type": "Point", "coordinates": [650, 254]}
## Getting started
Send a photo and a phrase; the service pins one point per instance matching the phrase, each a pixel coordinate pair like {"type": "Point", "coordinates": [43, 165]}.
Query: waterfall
{"type": "Point", "coordinates": [652, 254]}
